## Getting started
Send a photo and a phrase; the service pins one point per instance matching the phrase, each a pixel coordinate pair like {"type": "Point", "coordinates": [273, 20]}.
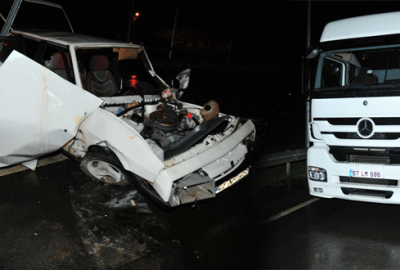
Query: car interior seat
{"type": "Point", "coordinates": [99, 80]}
{"type": "Point", "coordinates": [57, 64]}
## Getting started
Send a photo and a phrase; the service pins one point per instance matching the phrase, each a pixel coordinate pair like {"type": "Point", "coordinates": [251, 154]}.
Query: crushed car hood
{"type": "Point", "coordinates": [39, 111]}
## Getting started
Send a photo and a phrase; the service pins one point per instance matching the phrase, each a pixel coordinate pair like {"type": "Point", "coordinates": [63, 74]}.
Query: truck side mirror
{"type": "Point", "coordinates": [306, 71]}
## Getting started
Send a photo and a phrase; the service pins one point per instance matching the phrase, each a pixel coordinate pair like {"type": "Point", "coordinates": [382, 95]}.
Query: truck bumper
{"type": "Point", "coordinates": [339, 184]}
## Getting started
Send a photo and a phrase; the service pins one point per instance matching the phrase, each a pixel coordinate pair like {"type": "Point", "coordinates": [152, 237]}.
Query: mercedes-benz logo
{"type": "Point", "coordinates": [365, 128]}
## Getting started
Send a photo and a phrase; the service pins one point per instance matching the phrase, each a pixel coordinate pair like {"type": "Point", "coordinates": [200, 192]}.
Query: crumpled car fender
{"type": "Point", "coordinates": [135, 155]}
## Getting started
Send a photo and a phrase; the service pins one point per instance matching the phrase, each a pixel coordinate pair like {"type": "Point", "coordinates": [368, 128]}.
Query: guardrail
{"type": "Point", "coordinates": [279, 158]}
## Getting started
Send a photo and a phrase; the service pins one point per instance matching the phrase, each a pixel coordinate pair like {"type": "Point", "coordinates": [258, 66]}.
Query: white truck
{"type": "Point", "coordinates": [355, 110]}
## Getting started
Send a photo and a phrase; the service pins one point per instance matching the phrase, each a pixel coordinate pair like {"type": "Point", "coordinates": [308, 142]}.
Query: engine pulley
{"type": "Point", "coordinates": [164, 120]}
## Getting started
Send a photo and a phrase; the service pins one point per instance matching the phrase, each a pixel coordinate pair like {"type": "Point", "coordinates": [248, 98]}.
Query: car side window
{"type": "Point", "coordinates": [31, 48]}
{"type": "Point", "coordinates": [59, 61]}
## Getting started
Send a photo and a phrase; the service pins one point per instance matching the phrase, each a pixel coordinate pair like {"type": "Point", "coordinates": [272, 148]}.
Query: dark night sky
{"type": "Point", "coordinates": [280, 25]}
{"type": "Point", "coordinates": [256, 26]}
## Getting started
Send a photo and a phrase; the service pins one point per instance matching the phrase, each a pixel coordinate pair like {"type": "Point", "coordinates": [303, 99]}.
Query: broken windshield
{"type": "Point", "coordinates": [373, 70]}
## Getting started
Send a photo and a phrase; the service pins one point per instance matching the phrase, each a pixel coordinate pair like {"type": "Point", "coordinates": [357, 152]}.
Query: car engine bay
{"type": "Point", "coordinates": [168, 126]}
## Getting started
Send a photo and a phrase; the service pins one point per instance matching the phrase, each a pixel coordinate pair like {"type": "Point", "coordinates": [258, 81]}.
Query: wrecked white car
{"type": "Point", "coordinates": [103, 104]}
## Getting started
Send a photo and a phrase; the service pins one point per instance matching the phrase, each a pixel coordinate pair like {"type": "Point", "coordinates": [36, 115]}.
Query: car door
{"type": "Point", "coordinates": [56, 58]}
{"type": "Point", "coordinates": [39, 110]}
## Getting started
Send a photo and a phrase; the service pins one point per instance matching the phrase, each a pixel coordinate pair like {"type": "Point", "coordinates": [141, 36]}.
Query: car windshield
{"type": "Point", "coordinates": [376, 69]}
{"type": "Point", "coordinates": [114, 71]}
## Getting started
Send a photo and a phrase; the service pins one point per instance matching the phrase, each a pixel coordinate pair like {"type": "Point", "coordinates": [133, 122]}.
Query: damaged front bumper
{"type": "Point", "coordinates": [196, 187]}
{"type": "Point", "coordinates": [196, 178]}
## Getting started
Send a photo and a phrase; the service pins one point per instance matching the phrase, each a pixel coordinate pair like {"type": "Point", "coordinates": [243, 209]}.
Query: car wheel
{"type": "Point", "coordinates": [108, 169]}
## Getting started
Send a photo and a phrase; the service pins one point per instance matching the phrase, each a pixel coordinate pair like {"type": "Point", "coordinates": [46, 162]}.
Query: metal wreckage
{"type": "Point", "coordinates": [102, 103]}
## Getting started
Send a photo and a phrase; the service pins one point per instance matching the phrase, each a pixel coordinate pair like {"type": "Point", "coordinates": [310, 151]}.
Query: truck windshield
{"type": "Point", "coordinates": [359, 70]}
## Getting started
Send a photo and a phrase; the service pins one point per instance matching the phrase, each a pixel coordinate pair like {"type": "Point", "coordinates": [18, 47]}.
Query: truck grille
{"type": "Point", "coordinates": [385, 155]}
{"type": "Point", "coordinates": [387, 121]}
{"type": "Point", "coordinates": [368, 193]}
{"type": "Point", "coordinates": [369, 159]}
{"type": "Point", "coordinates": [354, 136]}
{"type": "Point", "coordinates": [368, 181]}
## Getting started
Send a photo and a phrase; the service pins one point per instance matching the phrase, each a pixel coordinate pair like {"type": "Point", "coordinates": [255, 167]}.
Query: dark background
{"type": "Point", "coordinates": [276, 28]}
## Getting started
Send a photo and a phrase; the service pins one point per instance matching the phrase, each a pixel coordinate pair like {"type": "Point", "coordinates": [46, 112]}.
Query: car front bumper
{"type": "Point", "coordinates": [212, 165]}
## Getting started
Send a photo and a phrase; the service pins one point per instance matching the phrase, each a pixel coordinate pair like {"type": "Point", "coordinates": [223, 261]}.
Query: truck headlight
{"type": "Point", "coordinates": [317, 174]}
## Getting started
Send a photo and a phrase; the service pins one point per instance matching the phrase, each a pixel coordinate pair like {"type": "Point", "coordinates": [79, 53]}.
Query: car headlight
{"type": "Point", "coordinates": [317, 174]}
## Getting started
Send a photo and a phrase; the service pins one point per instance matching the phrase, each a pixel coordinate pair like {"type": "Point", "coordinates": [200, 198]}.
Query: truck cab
{"type": "Point", "coordinates": [355, 115]}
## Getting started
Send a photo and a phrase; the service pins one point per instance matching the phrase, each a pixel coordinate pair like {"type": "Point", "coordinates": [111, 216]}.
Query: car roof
{"type": "Point", "coordinates": [44, 3]}
{"type": "Point", "coordinates": [71, 39]}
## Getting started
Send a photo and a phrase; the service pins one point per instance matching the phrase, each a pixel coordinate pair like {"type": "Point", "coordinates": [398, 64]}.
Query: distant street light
{"type": "Point", "coordinates": [135, 17]}
{"type": "Point", "coordinates": [132, 18]}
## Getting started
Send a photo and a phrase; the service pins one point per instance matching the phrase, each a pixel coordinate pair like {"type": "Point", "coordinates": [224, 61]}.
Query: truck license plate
{"type": "Point", "coordinates": [366, 173]}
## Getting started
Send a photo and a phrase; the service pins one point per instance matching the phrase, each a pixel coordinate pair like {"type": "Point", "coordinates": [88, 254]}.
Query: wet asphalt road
{"type": "Point", "coordinates": [40, 228]}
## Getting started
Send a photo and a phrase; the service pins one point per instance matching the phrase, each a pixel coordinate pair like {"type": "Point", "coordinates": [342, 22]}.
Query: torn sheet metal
{"type": "Point", "coordinates": [131, 149]}
{"type": "Point", "coordinates": [31, 164]}
{"type": "Point", "coordinates": [39, 110]}
{"type": "Point", "coordinates": [164, 181]}
{"type": "Point", "coordinates": [192, 189]}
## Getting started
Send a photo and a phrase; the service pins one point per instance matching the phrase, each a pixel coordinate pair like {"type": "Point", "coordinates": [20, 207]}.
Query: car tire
{"type": "Point", "coordinates": [105, 168]}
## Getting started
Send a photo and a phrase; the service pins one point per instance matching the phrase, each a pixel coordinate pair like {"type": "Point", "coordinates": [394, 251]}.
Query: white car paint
{"type": "Point", "coordinates": [39, 111]}
{"type": "Point", "coordinates": [131, 149]}
{"type": "Point", "coordinates": [54, 110]}
{"type": "Point", "coordinates": [205, 155]}
{"type": "Point", "coordinates": [58, 114]}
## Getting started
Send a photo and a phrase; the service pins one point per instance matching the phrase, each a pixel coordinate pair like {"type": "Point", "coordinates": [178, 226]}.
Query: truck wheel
{"type": "Point", "coordinates": [108, 169]}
